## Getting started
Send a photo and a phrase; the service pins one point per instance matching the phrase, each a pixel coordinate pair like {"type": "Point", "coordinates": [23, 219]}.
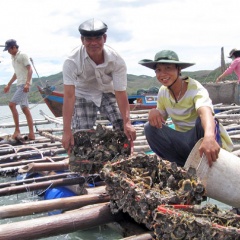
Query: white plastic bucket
{"type": "Point", "coordinates": [222, 180]}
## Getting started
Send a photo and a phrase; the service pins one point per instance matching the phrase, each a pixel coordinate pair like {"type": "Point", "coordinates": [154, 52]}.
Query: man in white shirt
{"type": "Point", "coordinates": [23, 75]}
{"type": "Point", "coordinates": [95, 79]}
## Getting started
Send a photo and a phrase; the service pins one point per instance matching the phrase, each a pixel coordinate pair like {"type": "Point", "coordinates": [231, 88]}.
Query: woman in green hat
{"type": "Point", "coordinates": [188, 104]}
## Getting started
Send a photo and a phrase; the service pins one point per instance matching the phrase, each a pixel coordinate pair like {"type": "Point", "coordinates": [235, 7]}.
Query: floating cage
{"type": "Point", "coordinates": [94, 148]}
{"type": "Point", "coordinates": [167, 199]}
{"type": "Point", "coordinates": [195, 222]}
{"type": "Point", "coordinates": [139, 184]}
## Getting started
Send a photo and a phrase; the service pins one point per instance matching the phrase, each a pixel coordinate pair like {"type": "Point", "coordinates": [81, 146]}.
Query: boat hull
{"type": "Point", "coordinates": [54, 100]}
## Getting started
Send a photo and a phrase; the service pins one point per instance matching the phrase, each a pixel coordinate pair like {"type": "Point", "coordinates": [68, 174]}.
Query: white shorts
{"type": "Point", "coordinates": [20, 97]}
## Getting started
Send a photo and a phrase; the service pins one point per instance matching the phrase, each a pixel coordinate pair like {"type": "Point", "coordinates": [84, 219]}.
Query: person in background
{"type": "Point", "coordinates": [23, 75]}
{"type": "Point", "coordinates": [234, 66]}
{"type": "Point", "coordinates": [95, 79]}
{"type": "Point", "coordinates": [187, 103]}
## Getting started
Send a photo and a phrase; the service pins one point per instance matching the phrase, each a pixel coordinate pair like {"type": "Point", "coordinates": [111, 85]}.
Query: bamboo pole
{"type": "Point", "coordinates": [40, 140]}
{"type": "Point", "coordinates": [226, 122]}
{"type": "Point", "coordinates": [139, 111]}
{"type": "Point", "coordinates": [24, 123]}
{"type": "Point", "coordinates": [228, 116]}
{"type": "Point", "coordinates": [71, 221]}
{"type": "Point", "coordinates": [142, 148]}
{"type": "Point", "coordinates": [10, 150]}
{"type": "Point", "coordinates": [15, 166]}
{"type": "Point", "coordinates": [51, 136]}
{"type": "Point", "coordinates": [140, 142]}
{"type": "Point", "coordinates": [38, 167]}
{"type": "Point", "coordinates": [232, 126]}
{"type": "Point", "coordinates": [236, 110]}
{"type": "Point", "coordinates": [228, 107]}
{"type": "Point", "coordinates": [69, 203]}
{"type": "Point", "coordinates": [96, 190]}
{"type": "Point", "coordinates": [41, 185]}
{"type": "Point", "coordinates": [25, 162]}
{"type": "Point", "coordinates": [29, 154]}
{"type": "Point", "coordinates": [144, 236]}
{"type": "Point", "coordinates": [37, 179]}
{"type": "Point", "coordinates": [237, 153]}
{"type": "Point", "coordinates": [58, 120]}
{"type": "Point", "coordinates": [233, 132]}
{"type": "Point", "coordinates": [141, 137]}
{"type": "Point", "coordinates": [50, 130]}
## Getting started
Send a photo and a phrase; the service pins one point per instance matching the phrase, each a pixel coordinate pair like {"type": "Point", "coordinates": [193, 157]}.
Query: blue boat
{"type": "Point", "coordinates": [144, 99]}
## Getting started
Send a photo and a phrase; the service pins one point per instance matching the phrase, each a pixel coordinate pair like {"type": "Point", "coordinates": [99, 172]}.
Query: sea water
{"type": "Point", "coordinates": [105, 232]}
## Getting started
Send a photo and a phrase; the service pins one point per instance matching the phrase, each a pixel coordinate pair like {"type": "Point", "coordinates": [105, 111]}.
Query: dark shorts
{"type": "Point", "coordinates": [173, 145]}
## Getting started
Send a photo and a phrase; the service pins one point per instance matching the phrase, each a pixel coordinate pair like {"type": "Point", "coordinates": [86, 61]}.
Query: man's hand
{"type": "Point", "coordinates": [6, 89]}
{"type": "Point", "coordinates": [210, 148]}
{"type": "Point", "coordinates": [68, 141]}
{"type": "Point", "coordinates": [26, 87]}
{"type": "Point", "coordinates": [130, 132]}
{"type": "Point", "coordinates": [155, 118]}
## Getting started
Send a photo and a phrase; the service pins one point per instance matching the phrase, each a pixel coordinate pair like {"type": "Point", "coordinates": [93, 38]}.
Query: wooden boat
{"type": "Point", "coordinates": [54, 100]}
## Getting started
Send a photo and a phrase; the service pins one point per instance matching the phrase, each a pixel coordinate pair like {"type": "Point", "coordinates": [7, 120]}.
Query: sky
{"type": "Point", "coordinates": [47, 31]}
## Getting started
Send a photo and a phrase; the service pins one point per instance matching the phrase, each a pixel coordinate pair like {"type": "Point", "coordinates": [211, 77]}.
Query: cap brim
{"type": "Point", "coordinates": [237, 51]}
{"type": "Point", "coordinates": [92, 33]}
{"type": "Point", "coordinates": [4, 47]}
{"type": "Point", "coordinates": [152, 64]}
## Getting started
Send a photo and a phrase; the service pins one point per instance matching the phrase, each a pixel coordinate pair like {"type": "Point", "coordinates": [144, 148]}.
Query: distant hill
{"type": "Point", "coordinates": [134, 83]}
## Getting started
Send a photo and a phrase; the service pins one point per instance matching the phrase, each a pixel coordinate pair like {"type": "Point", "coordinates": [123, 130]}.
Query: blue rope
{"type": "Point", "coordinates": [217, 132]}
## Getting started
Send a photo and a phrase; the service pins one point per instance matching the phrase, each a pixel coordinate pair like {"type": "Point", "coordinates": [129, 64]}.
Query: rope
{"type": "Point", "coordinates": [41, 193]}
{"type": "Point", "coordinates": [9, 145]}
{"type": "Point", "coordinates": [34, 148]}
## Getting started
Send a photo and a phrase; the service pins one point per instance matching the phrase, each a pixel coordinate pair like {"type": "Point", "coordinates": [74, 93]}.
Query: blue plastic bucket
{"type": "Point", "coordinates": [58, 192]}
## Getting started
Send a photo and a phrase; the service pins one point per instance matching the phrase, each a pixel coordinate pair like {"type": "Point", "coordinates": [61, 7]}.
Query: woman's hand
{"type": "Point", "coordinates": [218, 79]}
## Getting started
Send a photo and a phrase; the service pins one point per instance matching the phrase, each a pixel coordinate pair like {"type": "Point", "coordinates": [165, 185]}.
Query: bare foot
{"type": "Point", "coordinates": [31, 136]}
{"type": "Point", "coordinates": [16, 135]}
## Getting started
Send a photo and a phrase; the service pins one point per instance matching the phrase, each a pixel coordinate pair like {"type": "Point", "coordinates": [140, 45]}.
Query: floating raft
{"type": "Point", "coordinates": [143, 186]}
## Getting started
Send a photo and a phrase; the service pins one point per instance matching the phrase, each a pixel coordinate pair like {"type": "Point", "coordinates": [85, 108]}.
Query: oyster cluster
{"type": "Point", "coordinates": [138, 184]}
{"type": "Point", "coordinates": [196, 222]}
{"type": "Point", "coordinates": [93, 148]}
